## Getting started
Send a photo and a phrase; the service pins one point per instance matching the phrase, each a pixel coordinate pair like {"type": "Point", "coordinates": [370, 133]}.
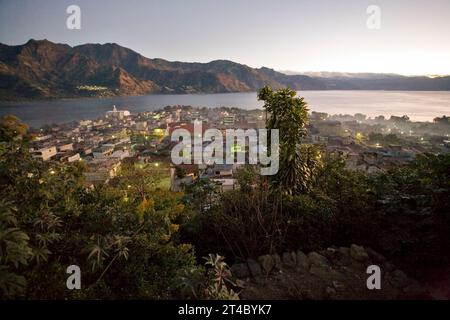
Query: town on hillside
{"type": "Point", "coordinates": [103, 145]}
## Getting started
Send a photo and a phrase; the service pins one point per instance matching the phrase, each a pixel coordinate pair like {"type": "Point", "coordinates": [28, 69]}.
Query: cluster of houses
{"type": "Point", "coordinates": [103, 144]}
{"type": "Point", "coordinates": [350, 136]}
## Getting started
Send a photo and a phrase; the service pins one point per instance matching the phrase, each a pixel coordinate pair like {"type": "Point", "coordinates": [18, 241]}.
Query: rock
{"type": "Point", "coordinates": [321, 271]}
{"type": "Point", "coordinates": [399, 279]}
{"type": "Point", "coordinates": [302, 260]}
{"type": "Point", "coordinates": [375, 256]}
{"type": "Point", "coordinates": [330, 253]}
{"type": "Point", "coordinates": [338, 285]}
{"type": "Point", "coordinates": [358, 253]}
{"type": "Point", "coordinates": [240, 270]}
{"type": "Point", "coordinates": [254, 267]}
{"type": "Point", "coordinates": [289, 259]}
{"type": "Point", "coordinates": [277, 261]}
{"type": "Point", "coordinates": [266, 263]}
{"type": "Point", "coordinates": [358, 265]}
{"type": "Point", "coordinates": [342, 256]}
{"type": "Point", "coordinates": [343, 253]}
{"type": "Point", "coordinates": [316, 259]}
{"type": "Point", "coordinates": [316, 276]}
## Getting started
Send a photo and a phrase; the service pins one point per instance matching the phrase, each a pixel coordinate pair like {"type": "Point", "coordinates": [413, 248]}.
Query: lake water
{"type": "Point", "coordinates": [418, 105]}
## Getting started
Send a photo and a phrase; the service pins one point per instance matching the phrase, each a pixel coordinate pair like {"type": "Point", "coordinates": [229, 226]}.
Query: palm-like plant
{"type": "Point", "coordinates": [288, 114]}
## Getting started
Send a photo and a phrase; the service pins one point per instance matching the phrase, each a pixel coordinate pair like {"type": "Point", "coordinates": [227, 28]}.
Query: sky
{"type": "Point", "coordinates": [295, 35]}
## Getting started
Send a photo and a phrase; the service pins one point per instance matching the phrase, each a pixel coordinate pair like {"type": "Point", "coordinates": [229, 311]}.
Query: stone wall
{"type": "Point", "coordinates": [335, 273]}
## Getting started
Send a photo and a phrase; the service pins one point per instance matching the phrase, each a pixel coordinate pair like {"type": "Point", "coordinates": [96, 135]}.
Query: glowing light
{"type": "Point", "coordinates": [158, 131]}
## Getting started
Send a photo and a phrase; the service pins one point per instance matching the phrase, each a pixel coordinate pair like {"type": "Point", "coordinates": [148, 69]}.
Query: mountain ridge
{"type": "Point", "coordinates": [42, 69]}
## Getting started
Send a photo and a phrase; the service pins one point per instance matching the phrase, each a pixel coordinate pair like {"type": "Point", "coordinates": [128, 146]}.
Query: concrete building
{"type": "Point", "coordinates": [65, 147]}
{"type": "Point", "coordinates": [101, 170]}
{"type": "Point", "coordinates": [45, 153]}
{"type": "Point", "coordinates": [103, 152]}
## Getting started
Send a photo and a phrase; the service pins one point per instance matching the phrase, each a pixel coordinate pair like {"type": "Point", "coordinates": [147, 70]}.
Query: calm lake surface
{"type": "Point", "coordinates": [418, 105]}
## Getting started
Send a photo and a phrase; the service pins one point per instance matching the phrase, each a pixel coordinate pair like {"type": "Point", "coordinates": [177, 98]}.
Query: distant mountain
{"type": "Point", "coordinates": [377, 81]}
{"type": "Point", "coordinates": [43, 69]}
{"type": "Point", "coordinates": [347, 75]}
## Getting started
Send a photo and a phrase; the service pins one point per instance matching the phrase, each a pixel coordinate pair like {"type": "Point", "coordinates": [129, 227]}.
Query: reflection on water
{"type": "Point", "coordinates": [418, 105]}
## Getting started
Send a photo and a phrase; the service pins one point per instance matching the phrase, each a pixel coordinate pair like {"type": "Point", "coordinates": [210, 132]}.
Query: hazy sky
{"type": "Point", "coordinates": [300, 35]}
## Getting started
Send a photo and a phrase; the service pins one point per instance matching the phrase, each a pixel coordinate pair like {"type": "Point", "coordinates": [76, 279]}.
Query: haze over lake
{"type": "Point", "coordinates": [418, 105]}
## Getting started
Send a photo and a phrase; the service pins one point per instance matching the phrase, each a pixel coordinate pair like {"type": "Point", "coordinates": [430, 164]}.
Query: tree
{"type": "Point", "coordinates": [443, 120]}
{"type": "Point", "coordinates": [11, 128]}
{"type": "Point", "coordinates": [139, 180]}
{"type": "Point", "coordinates": [288, 114]}
{"type": "Point", "coordinates": [202, 195]}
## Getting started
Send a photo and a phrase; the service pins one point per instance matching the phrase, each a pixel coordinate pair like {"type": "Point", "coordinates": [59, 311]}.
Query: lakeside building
{"type": "Point", "coordinates": [117, 114]}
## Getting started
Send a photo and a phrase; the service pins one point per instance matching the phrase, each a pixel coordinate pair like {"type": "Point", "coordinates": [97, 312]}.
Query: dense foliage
{"type": "Point", "coordinates": [123, 238]}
